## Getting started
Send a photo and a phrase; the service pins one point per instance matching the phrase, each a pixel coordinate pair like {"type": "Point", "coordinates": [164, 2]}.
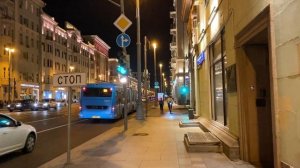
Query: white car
{"type": "Point", "coordinates": [15, 135]}
{"type": "Point", "coordinates": [49, 103]}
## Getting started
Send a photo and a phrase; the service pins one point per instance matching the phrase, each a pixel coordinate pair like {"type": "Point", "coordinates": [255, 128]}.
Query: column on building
{"type": "Point", "coordinates": [101, 57]}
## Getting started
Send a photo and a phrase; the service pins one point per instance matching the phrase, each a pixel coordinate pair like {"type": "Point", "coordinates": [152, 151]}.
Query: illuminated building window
{"type": "Point", "coordinates": [218, 55]}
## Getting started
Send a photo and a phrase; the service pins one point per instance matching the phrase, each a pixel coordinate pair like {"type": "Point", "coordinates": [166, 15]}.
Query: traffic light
{"type": "Point", "coordinates": [184, 90]}
{"type": "Point", "coordinates": [122, 70]}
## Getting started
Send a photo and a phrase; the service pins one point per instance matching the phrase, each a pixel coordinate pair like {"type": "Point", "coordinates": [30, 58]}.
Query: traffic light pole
{"type": "Point", "coordinates": [125, 107]}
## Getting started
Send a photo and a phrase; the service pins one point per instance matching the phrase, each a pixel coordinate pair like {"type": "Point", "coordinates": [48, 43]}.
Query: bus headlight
{"type": "Point", "coordinates": [113, 109]}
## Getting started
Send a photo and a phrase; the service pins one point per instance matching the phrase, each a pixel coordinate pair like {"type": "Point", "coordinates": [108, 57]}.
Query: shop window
{"type": "Point", "coordinates": [218, 61]}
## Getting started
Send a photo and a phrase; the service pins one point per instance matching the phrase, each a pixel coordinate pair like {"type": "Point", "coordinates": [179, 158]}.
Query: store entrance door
{"type": "Point", "coordinates": [253, 61]}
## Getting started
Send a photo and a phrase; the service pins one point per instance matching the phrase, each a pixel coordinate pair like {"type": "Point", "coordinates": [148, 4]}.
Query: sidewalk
{"type": "Point", "coordinates": [156, 142]}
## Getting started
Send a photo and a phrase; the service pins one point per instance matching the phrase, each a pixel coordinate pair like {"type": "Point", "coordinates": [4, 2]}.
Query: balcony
{"type": "Point", "coordinates": [173, 46]}
{"type": "Point", "coordinates": [173, 14]}
{"type": "Point", "coordinates": [173, 29]}
{"type": "Point", "coordinates": [173, 60]}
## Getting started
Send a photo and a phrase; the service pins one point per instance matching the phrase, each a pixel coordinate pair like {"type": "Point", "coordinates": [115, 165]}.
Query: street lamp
{"type": "Point", "coordinates": [163, 80]}
{"type": "Point", "coordinates": [155, 79]}
{"type": "Point", "coordinates": [9, 50]}
{"type": "Point", "coordinates": [160, 72]}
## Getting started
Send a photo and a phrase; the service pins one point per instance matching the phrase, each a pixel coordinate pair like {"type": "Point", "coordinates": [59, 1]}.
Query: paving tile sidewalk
{"type": "Point", "coordinates": [156, 142]}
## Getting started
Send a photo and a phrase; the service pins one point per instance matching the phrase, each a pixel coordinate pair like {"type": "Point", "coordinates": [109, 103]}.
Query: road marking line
{"type": "Point", "coordinates": [42, 120]}
{"type": "Point", "coordinates": [60, 126]}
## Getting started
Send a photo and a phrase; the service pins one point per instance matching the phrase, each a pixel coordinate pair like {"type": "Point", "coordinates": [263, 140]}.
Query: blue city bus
{"type": "Point", "coordinates": [104, 101]}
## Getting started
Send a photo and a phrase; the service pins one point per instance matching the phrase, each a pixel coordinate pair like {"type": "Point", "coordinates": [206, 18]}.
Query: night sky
{"type": "Point", "coordinates": [97, 17]}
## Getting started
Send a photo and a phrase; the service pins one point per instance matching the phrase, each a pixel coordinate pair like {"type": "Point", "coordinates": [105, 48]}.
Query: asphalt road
{"type": "Point", "coordinates": [51, 127]}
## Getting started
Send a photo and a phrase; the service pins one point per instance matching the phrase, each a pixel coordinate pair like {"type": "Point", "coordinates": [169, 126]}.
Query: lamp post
{"type": "Point", "coordinates": [123, 80]}
{"type": "Point", "coordinates": [163, 80]}
{"type": "Point", "coordinates": [155, 79]}
{"type": "Point", "coordinates": [160, 72]}
{"type": "Point", "coordinates": [9, 50]}
{"type": "Point", "coordinates": [71, 68]}
{"type": "Point", "coordinates": [145, 74]}
{"type": "Point", "coordinates": [139, 115]}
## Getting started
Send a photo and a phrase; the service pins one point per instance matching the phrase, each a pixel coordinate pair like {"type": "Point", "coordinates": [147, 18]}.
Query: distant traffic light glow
{"type": "Point", "coordinates": [122, 70]}
{"type": "Point", "coordinates": [184, 90]}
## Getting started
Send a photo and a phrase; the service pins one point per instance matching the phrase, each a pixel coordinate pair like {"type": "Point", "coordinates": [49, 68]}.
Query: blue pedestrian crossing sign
{"type": "Point", "coordinates": [123, 40]}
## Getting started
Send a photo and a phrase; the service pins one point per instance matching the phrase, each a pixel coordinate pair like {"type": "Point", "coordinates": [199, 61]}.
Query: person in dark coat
{"type": "Point", "coordinates": [161, 105]}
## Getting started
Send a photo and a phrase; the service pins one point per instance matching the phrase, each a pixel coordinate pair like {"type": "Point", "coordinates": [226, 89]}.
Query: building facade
{"type": "Point", "coordinates": [179, 54]}
{"type": "Point", "coordinates": [34, 48]}
{"type": "Point", "coordinates": [246, 62]}
{"type": "Point", "coordinates": [20, 30]}
{"type": "Point", "coordinates": [112, 66]}
{"type": "Point", "coordinates": [101, 57]}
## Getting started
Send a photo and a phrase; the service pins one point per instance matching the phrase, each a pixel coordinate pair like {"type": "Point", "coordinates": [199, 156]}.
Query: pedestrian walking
{"type": "Point", "coordinates": [170, 103]}
{"type": "Point", "coordinates": [161, 105]}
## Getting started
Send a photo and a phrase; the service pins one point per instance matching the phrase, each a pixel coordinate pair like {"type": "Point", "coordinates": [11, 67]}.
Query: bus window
{"type": "Point", "coordinates": [97, 92]}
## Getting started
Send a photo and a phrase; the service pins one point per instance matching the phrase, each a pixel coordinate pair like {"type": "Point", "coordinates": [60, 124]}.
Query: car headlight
{"type": "Point", "coordinates": [19, 105]}
{"type": "Point", "coordinates": [35, 104]}
{"type": "Point", "coordinates": [8, 106]}
{"type": "Point", "coordinates": [45, 104]}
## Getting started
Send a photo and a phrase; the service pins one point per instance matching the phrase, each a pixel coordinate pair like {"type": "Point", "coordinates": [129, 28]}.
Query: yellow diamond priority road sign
{"type": "Point", "coordinates": [122, 23]}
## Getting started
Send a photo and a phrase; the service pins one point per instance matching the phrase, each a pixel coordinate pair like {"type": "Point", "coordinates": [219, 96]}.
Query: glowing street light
{"type": "Point", "coordinates": [9, 50]}
{"type": "Point", "coordinates": [123, 79]}
{"type": "Point", "coordinates": [71, 68]}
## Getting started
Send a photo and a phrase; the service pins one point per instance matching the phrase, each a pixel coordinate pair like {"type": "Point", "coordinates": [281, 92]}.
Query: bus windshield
{"type": "Point", "coordinates": [96, 92]}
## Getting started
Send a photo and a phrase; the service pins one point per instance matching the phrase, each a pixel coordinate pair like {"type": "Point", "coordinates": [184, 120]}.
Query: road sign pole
{"type": "Point", "coordinates": [68, 80]}
{"type": "Point", "coordinates": [69, 125]}
{"type": "Point", "coordinates": [125, 108]}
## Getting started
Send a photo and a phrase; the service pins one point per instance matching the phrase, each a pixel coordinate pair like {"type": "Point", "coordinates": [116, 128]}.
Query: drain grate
{"type": "Point", "coordinates": [140, 134]}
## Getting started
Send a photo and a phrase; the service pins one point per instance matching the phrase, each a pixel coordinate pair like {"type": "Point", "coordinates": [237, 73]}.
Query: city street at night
{"type": "Point", "coordinates": [51, 129]}
{"type": "Point", "coordinates": [149, 83]}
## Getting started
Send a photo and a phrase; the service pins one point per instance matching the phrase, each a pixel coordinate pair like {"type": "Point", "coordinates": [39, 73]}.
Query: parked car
{"type": "Point", "coordinates": [49, 103]}
{"type": "Point", "coordinates": [21, 105]}
{"type": "Point", "coordinates": [61, 103]}
{"type": "Point", "coordinates": [15, 135]}
{"type": "Point", "coordinates": [40, 106]}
